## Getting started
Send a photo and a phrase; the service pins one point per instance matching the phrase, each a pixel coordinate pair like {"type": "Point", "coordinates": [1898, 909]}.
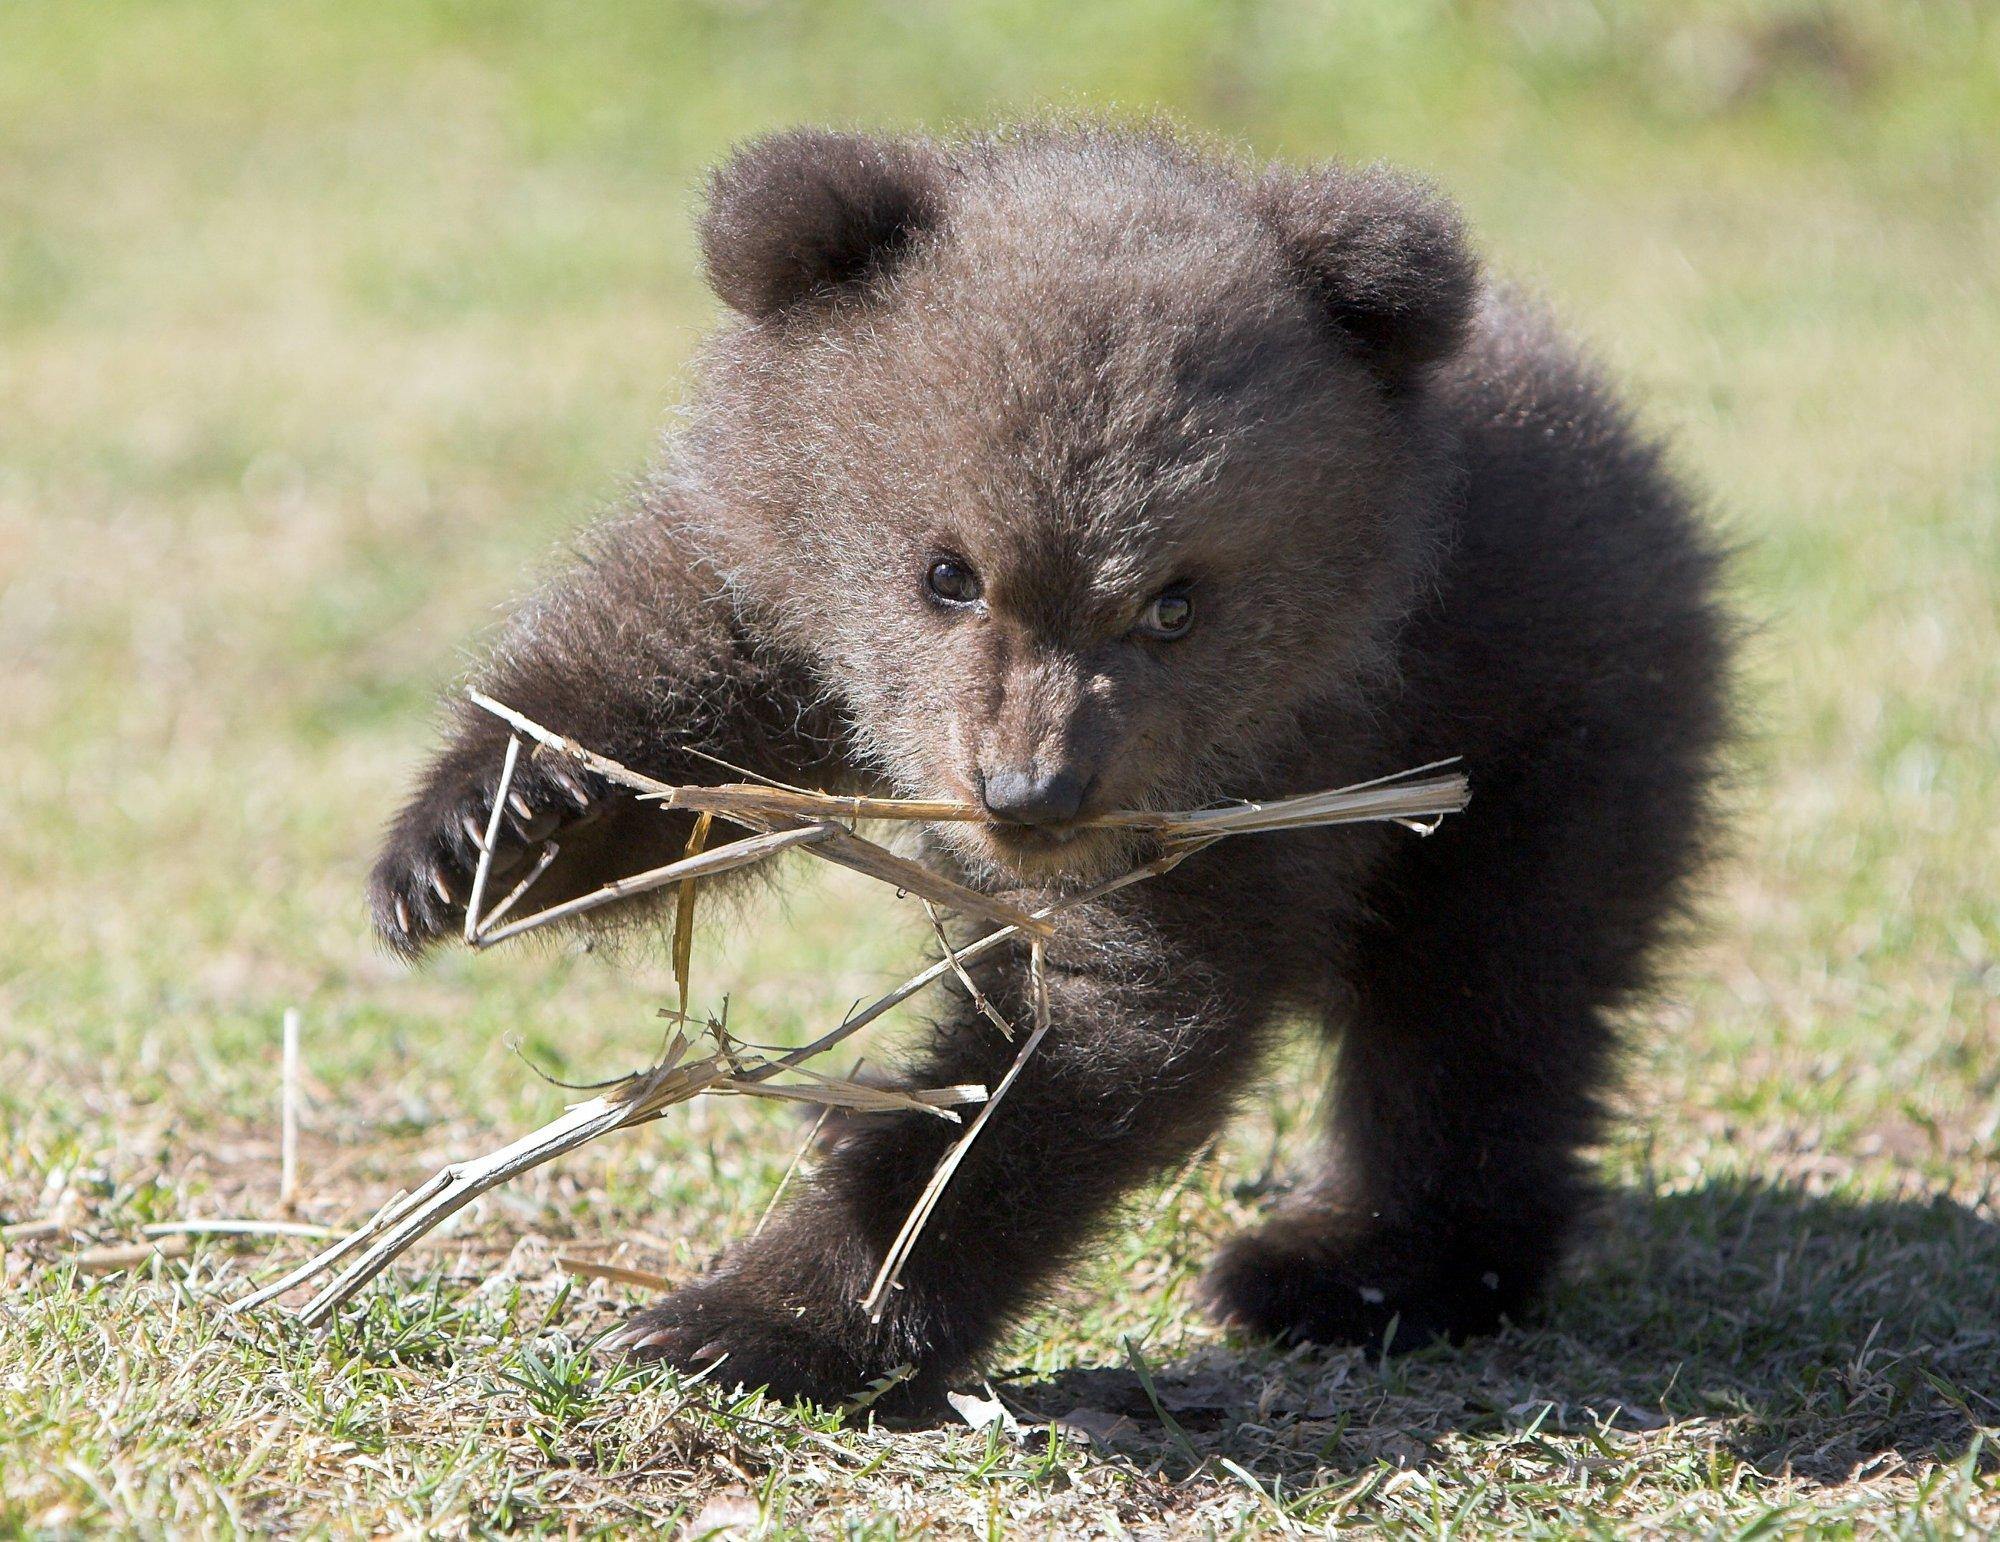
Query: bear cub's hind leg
{"type": "Point", "coordinates": [1453, 1176]}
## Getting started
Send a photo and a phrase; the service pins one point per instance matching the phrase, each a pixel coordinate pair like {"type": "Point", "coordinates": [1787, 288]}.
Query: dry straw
{"type": "Point", "coordinates": [706, 1058]}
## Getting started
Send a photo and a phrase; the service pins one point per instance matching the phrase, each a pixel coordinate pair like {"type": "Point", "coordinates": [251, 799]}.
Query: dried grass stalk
{"type": "Point", "coordinates": [684, 911]}
{"type": "Point", "coordinates": [781, 818]}
{"type": "Point", "coordinates": [842, 846]}
{"type": "Point", "coordinates": [474, 905]}
{"type": "Point", "coordinates": [1392, 797]}
{"type": "Point", "coordinates": [753, 848]}
{"type": "Point", "coordinates": [980, 1004]}
{"type": "Point", "coordinates": [905, 1241]}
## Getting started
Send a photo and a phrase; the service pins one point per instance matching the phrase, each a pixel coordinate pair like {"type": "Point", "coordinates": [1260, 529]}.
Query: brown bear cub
{"type": "Point", "coordinates": [1079, 469]}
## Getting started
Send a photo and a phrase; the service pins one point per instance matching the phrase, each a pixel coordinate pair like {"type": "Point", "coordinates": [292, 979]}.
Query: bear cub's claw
{"type": "Point", "coordinates": [746, 1343]}
{"type": "Point", "coordinates": [423, 879]}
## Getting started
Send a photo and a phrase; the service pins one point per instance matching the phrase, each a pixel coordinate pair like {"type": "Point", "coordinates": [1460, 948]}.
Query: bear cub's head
{"type": "Point", "coordinates": [1086, 466]}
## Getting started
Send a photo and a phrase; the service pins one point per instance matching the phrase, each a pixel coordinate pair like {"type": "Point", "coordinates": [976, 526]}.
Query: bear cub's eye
{"type": "Point", "coordinates": [1170, 614]}
{"type": "Point", "coordinates": [952, 582]}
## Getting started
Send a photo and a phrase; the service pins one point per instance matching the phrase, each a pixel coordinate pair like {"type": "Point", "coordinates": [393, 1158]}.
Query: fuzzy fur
{"type": "Point", "coordinates": [1089, 365]}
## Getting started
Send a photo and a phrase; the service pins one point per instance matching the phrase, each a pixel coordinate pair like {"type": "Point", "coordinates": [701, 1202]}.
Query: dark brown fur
{"type": "Point", "coordinates": [1090, 365]}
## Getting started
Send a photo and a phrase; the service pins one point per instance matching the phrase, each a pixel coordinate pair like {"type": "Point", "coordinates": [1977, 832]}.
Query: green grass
{"type": "Point", "coordinates": [320, 324]}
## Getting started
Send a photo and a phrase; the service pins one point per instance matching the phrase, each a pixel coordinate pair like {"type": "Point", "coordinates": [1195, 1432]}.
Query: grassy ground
{"type": "Point", "coordinates": [320, 322]}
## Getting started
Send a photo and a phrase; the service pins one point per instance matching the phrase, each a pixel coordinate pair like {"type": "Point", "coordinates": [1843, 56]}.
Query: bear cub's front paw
{"type": "Point", "coordinates": [423, 878]}
{"type": "Point", "coordinates": [748, 1343]}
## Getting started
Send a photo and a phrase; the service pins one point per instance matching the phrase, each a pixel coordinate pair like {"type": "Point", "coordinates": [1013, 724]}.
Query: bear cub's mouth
{"type": "Point", "coordinates": [1032, 838]}
{"type": "Point", "coordinates": [1073, 851]}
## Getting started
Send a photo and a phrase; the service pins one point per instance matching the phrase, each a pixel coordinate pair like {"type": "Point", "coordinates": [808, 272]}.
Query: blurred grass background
{"type": "Point", "coordinates": [322, 324]}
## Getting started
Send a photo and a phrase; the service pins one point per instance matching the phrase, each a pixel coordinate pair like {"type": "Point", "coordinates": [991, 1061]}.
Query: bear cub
{"type": "Point", "coordinates": [1076, 469]}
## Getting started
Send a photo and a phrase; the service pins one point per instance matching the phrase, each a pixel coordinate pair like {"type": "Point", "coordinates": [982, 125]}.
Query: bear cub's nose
{"type": "Point", "coordinates": [1031, 797]}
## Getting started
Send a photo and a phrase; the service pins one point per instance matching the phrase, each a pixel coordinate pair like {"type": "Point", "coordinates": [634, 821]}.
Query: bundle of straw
{"type": "Point", "coordinates": [782, 818]}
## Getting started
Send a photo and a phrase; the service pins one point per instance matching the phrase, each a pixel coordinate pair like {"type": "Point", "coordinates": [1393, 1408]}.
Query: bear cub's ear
{"type": "Point", "coordinates": [807, 214]}
{"type": "Point", "coordinates": [1386, 259]}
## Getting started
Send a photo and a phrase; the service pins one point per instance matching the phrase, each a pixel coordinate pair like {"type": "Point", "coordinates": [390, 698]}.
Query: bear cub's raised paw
{"type": "Point", "coordinates": [423, 878]}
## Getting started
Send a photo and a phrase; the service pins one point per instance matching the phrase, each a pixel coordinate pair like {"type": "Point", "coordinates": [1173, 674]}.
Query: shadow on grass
{"type": "Point", "coordinates": [1825, 1335]}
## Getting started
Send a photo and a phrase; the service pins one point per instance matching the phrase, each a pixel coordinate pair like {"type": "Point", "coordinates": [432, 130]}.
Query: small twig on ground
{"type": "Point", "coordinates": [618, 1274]}
{"type": "Point", "coordinates": [35, 1230]}
{"type": "Point", "coordinates": [288, 1117]}
{"type": "Point", "coordinates": [127, 1255]}
{"type": "Point", "coordinates": [231, 1226]}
